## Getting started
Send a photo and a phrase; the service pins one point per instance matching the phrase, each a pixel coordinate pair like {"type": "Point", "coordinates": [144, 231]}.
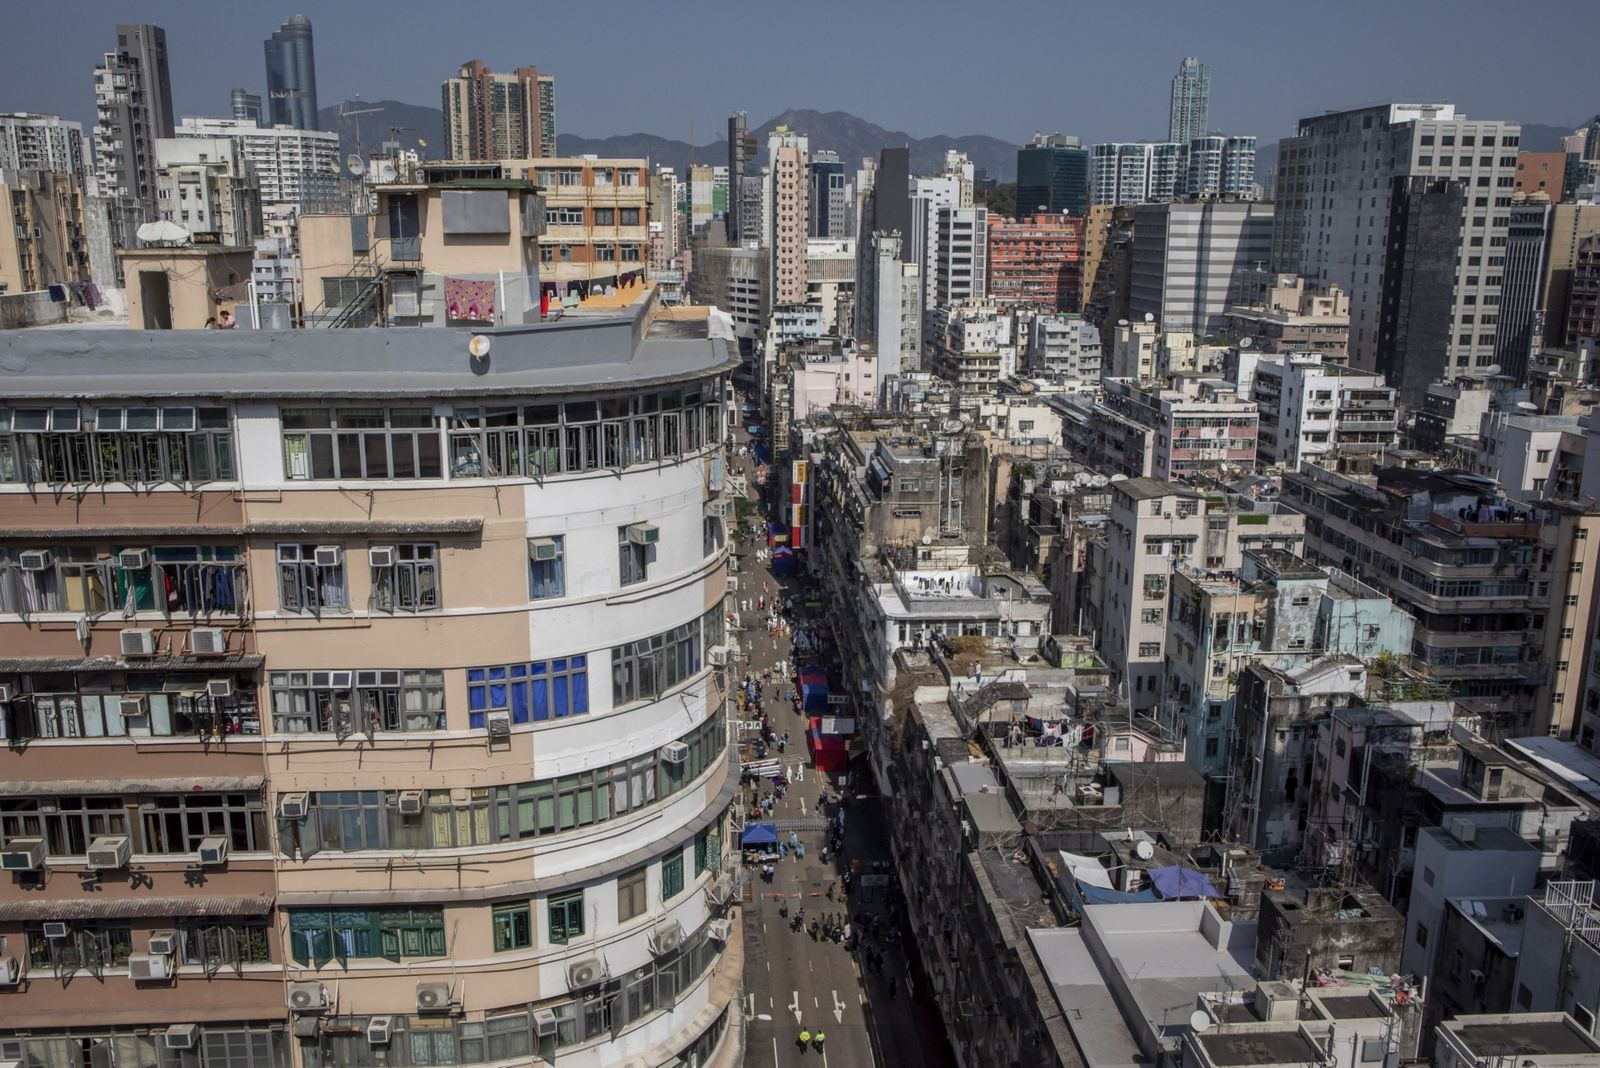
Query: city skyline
{"type": "Point", "coordinates": [1354, 66]}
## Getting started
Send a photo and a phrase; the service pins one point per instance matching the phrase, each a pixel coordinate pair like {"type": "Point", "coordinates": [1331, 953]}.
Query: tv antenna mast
{"type": "Point", "coordinates": [350, 114]}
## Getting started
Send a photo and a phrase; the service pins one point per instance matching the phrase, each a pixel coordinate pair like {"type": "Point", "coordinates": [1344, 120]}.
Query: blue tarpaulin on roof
{"type": "Point", "coordinates": [1178, 882]}
{"type": "Point", "coordinates": [1099, 895]}
{"type": "Point", "coordinates": [759, 834]}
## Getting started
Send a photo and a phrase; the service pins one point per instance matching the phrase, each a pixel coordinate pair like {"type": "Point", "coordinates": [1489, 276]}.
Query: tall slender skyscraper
{"type": "Point", "coordinates": [246, 106]}
{"type": "Point", "coordinates": [741, 150]}
{"type": "Point", "coordinates": [1191, 101]}
{"type": "Point", "coordinates": [292, 75]}
{"type": "Point", "coordinates": [133, 100]}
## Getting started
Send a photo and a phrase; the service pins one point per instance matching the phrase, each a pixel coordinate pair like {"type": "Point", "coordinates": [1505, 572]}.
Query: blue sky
{"type": "Point", "coordinates": [930, 66]}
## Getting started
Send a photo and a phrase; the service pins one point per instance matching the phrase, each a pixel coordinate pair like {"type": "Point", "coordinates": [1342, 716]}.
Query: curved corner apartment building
{"type": "Point", "coordinates": [363, 699]}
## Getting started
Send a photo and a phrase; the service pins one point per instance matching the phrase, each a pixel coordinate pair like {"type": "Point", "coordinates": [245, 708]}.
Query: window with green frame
{"type": "Point", "coordinates": [566, 918]}
{"type": "Point", "coordinates": [513, 926]}
{"type": "Point", "coordinates": [672, 876]}
{"type": "Point", "coordinates": [318, 936]}
{"type": "Point", "coordinates": [708, 850]}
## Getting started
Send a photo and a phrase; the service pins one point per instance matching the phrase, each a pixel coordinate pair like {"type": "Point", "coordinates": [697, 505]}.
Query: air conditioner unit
{"type": "Point", "coordinates": [542, 548]}
{"type": "Point", "coordinates": [544, 1023]}
{"type": "Point", "coordinates": [143, 968]}
{"type": "Point", "coordinates": [133, 707]}
{"type": "Point", "coordinates": [307, 997]}
{"type": "Point", "coordinates": [133, 560]}
{"type": "Point", "coordinates": [717, 656]}
{"type": "Point", "coordinates": [208, 641]}
{"type": "Point", "coordinates": [8, 692]}
{"type": "Point", "coordinates": [720, 930]}
{"type": "Point", "coordinates": [34, 560]}
{"type": "Point", "coordinates": [292, 806]}
{"type": "Point", "coordinates": [109, 852]}
{"type": "Point", "coordinates": [10, 971]}
{"type": "Point", "coordinates": [1463, 830]}
{"type": "Point", "coordinates": [181, 1036]}
{"type": "Point", "coordinates": [55, 930]}
{"type": "Point", "coordinates": [667, 940]}
{"type": "Point", "coordinates": [139, 641]}
{"type": "Point", "coordinates": [410, 802]}
{"type": "Point", "coordinates": [219, 687]}
{"type": "Point", "coordinates": [675, 752]}
{"type": "Point", "coordinates": [213, 852]}
{"type": "Point", "coordinates": [1477, 977]}
{"type": "Point", "coordinates": [717, 509]}
{"type": "Point", "coordinates": [721, 889]}
{"type": "Point", "coordinates": [379, 1028]}
{"type": "Point", "coordinates": [590, 971]}
{"type": "Point", "coordinates": [643, 533]}
{"type": "Point", "coordinates": [163, 943]}
{"type": "Point", "coordinates": [328, 555]}
{"type": "Point", "coordinates": [433, 997]}
{"type": "Point", "coordinates": [378, 555]}
{"type": "Point", "coordinates": [498, 723]}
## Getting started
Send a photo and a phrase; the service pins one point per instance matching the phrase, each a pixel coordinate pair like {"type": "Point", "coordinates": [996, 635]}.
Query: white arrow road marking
{"type": "Point", "coordinates": [751, 1010]}
{"type": "Point", "coordinates": [838, 1007]}
{"type": "Point", "coordinates": [794, 1007]}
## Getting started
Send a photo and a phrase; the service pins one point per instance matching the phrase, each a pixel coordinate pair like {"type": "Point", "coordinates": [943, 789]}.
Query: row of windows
{"type": "Point", "coordinates": [351, 702]}
{"type": "Point", "coordinates": [600, 1012]}
{"type": "Point", "coordinates": [497, 442]}
{"type": "Point", "coordinates": [160, 824]}
{"type": "Point", "coordinates": [350, 820]}
{"type": "Point", "coordinates": [136, 446]}
{"type": "Point", "coordinates": [93, 706]}
{"type": "Point", "coordinates": [232, 1047]}
{"type": "Point", "coordinates": [95, 945]}
{"type": "Point", "coordinates": [196, 580]}
{"type": "Point", "coordinates": [644, 669]}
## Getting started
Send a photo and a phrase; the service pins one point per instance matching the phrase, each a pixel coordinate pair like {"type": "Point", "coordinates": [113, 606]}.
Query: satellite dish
{"type": "Point", "coordinates": [954, 426]}
{"type": "Point", "coordinates": [1122, 322]}
{"type": "Point", "coordinates": [479, 346]}
{"type": "Point", "coordinates": [927, 539]}
{"type": "Point", "coordinates": [1492, 370]}
{"type": "Point", "coordinates": [1199, 1020]}
{"type": "Point", "coordinates": [386, 171]}
{"type": "Point", "coordinates": [1245, 342]}
{"type": "Point", "coordinates": [1149, 318]}
{"type": "Point", "coordinates": [1143, 850]}
{"type": "Point", "coordinates": [422, 142]}
{"type": "Point", "coordinates": [163, 232]}
{"type": "Point", "coordinates": [353, 163]}
{"type": "Point", "coordinates": [1527, 406]}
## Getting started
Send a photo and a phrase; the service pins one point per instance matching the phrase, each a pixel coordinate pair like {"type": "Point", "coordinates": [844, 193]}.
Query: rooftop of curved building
{"type": "Point", "coordinates": [633, 347]}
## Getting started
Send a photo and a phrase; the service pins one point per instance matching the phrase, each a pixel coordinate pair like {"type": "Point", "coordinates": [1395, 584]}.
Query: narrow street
{"type": "Point", "coordinates": [866, 1002]}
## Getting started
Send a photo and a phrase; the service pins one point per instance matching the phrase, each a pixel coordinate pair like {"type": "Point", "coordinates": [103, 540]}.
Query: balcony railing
{"type": "Point", "coordinates": [405, 249]}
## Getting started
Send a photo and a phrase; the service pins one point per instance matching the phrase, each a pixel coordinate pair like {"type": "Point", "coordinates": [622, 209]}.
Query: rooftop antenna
{"type": "Point", "coordinates": [348, 113]}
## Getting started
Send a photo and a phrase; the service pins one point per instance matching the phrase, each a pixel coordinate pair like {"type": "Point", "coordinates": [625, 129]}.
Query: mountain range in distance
{"type": "Point", "coordinates": [853, 138]}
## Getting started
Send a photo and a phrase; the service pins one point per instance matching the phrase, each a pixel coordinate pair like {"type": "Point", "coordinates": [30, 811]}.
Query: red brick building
{"type": "Point", "coordinates": [1037, 261]}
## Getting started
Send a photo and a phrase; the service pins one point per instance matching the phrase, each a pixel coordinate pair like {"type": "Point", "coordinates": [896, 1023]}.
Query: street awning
{"type": "Point", "coordinates": [123, 908]}
{"type": "Point", "coordinates": [759, 834]}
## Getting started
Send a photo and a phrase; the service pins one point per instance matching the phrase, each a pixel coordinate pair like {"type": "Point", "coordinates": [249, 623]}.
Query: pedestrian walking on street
{"type": "Point", "coordinates": [816, 1040]}
{"type": "Point", "coordinates": [805, 1040]}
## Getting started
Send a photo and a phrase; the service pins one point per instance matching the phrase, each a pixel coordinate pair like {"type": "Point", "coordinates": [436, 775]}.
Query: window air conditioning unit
{"type": "Point", "coordinates": [377, 555]}
{"type": "Point", "coordinates": [544, 1023]}
{"type": "Point", "coordinates": [307, 997]}
{"type": "Point", "coordinates": [163, 943]}
{"type": "Point", "coordinates": [110, 852]}
{"type": "Point", "coordinates": [329, 555]}
{"type": "Point", "coordinates": [292, 806]}
{"type": "Point", "coordinates": [667, 940]}
{"type": "Point", "coordinates": [140, 641]}
{"type": "Point", "coordinates": [675, 752]}
{"type": "Point", "coordinates": [644, 533]}
{"type": "Point", "coordinates": [720, 930]}
{"type": "Point", "coordinates": [208, 641]}
{"type": "Point", "coordinates": [717, 509]}
{"type": "Point", "coordinates": [498, 723]}
{"type": "Point", "coordinates": [55, 930]}
{"type": "Point", "coordinates": [379, 1028]}
{"type": "Point", "coordinates": [213, 852]}
{"type": "Point", "coordinates": [133, 560]}
{"type": "Point", "coordinates": [410, 802]}
{"type": "Point", "coordinates": [433, 997]}
{"type": "Point", "coordinates": [10, 972]}
{"type": "Point", "coordinates": [1478, 977]}
{"type": "Point", "coordinates": [219, 687]}
{"type": "Point", "coordinates": [717, 656]}
{"type": "Point", "coordinates": [34, 560]}
{"type": "Point", "coordinates": [144, 968]}
{"type": "Point", "coordinates": [8, 692]}
{"type": "Point", "coordinates": [541, 549]}
{"type": "Point", "coordinates": [133, 707]}
{"type": "Point", "coordinates": [181, 1036]}
{"type": "Point", "coordinates": [584, 973]}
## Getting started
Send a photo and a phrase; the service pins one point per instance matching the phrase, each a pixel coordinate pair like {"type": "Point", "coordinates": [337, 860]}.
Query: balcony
{"type": "Point", "coordinates": [1496, 529]}
{"type": "Point", "coordinates": [405, 249]}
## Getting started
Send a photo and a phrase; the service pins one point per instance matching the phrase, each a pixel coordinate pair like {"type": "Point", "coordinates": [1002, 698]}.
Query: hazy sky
{"type": "Point", "coordinates": [1098, 70]}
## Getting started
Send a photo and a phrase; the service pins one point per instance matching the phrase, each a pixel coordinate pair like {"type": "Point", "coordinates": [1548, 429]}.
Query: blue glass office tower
{"type": "Point", "coordinates": [292, 76]}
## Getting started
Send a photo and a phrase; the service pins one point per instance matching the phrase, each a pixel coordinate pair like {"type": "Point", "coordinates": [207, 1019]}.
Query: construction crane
{"type": "Point", "coordinates": [347, 113]}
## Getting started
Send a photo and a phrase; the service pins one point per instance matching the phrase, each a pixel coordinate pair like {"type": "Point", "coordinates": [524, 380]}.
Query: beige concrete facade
{"type": "Point", "coordinates": [44, 241]}
{"type": "Point", "coordinates": [573, 858]}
